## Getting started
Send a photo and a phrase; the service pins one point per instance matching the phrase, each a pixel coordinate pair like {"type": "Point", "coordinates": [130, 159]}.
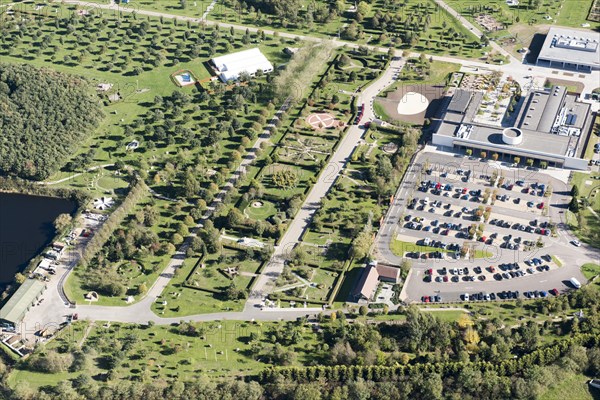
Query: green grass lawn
{"type": "Point", "coordinates": [573, 387]}
{"type": "Point", "coordinates": [594, 138]}
{"type": "Point", "coordinates": [587, 225]}
{"type": "Point", "coordinates": [439, 72]}
{"type": "Point", "coordinates": [161, 352]}
{"type": "Point", "coordinates": [182, 301]}
{"type": "Point", "coordinates": [130, 274]}
{"type": "Point", "coordinates": [446, 315]}
{"type": "Point", "coordinates": [590, 270]}
{"type": "Point", "coordinates": [435, 37]}
{"type": "Point", "coordinates": [263, 211]}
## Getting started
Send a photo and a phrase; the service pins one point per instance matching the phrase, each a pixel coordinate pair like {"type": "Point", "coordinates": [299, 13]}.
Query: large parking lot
{"type": "Point", "coordinates": [480, 227]}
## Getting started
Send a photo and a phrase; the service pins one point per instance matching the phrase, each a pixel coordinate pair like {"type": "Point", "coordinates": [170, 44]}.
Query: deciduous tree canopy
{"type": "Point", "coordinates": [44, 117]}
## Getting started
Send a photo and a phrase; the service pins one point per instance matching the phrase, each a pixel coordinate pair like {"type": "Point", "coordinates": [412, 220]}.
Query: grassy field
{"type": "Point", "coordinates": [587, 225]}
{"type": "Point", "coordinates": [182, 301]}
{"type": "Point", "coordinates": [445, 315]}
{"type": "Point", "coordinates": [161, 352]}
{"type": "Point", "coordinates": [590, 271]}
{"type": "Point", "coordinates": [438, 72]}
{"type": "Point", "coordinates": [573, 387]}
{"type": "Point", "coordinates": [594, 138]}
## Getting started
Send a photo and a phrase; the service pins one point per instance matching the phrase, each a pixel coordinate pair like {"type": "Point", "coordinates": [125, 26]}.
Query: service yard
{"type": "Point", "coordinates": [482, 228]}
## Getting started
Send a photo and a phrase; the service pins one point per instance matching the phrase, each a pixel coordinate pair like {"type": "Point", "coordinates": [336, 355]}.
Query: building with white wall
{"type": "Point", "coordinates": [551, 126]}
{"type": "Point", "coordinates": [570, 49]}
{"type": "Point", "coordinates": [229, 67]}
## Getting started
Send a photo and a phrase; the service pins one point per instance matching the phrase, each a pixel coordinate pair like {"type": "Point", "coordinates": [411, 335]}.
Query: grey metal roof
{"type": "Point", "coordinates": [572, 46]}
{"type": "Point", "coordinates": [15, 308]}
{"type": "Point", "coordinates": [460, 101]}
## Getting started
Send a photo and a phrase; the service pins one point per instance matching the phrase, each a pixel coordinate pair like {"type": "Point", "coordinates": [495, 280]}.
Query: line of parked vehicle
{"type": "Point", "coordinates": [504, 271]}
{"type": "Point", "coordinates": [503, 295]}
{"type": "Point", "coordinates": [508, 295]}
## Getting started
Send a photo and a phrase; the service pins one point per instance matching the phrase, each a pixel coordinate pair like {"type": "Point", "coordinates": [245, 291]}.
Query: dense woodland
{"type": "Point", "coordinates": [45, 116]}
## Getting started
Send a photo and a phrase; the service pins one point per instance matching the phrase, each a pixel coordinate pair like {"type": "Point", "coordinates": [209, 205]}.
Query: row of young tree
{"type": "Point", "coordinates": [137, 191]}
{"type": "Point", "coordinates": [45, 116]}
{"type": "Point", "coordinates": [526, 377]}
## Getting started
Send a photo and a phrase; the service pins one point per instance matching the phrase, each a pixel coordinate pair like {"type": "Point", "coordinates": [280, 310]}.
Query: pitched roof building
{"type": "Point", "coordinates": [15, 308]}
{"type": "Point", "coordinates": [388, 274]}
{"type": "Point", "coordinates": [366, 285]}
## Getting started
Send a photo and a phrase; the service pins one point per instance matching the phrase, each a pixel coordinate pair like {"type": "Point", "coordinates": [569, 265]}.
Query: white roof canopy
{"type": "Point", "coordinates": [232, 65]}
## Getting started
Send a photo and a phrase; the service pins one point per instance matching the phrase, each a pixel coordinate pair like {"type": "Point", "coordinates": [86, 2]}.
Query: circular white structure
{"type": "Point", "coordinates": [103, 203]}
{"type": "Point", "coordinates": [412, 103]}
{"type": "Point", "coordinates": [512, 136]}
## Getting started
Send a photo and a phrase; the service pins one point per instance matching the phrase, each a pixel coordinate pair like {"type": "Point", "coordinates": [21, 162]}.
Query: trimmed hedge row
{"type": "Point", "coordinates": [379, 373]}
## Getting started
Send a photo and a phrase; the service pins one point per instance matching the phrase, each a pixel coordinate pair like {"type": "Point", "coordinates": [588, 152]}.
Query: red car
{"type": "Point", "coordinates": [445, 278]}
{"type": "Point", "coordinates": [554, 292]}
{"type": "Point", "coordinates": [492, 269]}
{"type": "Point", "coordinates": [425, 299]}
{"type": "Point", "coordinates": [541, 205]}
{"type": "Point", "coordinates": [464, 191]}
{"type": "Point", "coordinates": [429, 271]}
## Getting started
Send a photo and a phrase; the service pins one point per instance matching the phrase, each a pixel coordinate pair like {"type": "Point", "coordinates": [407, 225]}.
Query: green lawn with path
{"type": "Point", "coordinates": [182, 301]}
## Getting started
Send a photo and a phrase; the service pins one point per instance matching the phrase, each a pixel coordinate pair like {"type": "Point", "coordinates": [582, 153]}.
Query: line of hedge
{"type": "Point", "coordinates": [214, 291]}
{"type": "Point", "coordinates": [380, 373]}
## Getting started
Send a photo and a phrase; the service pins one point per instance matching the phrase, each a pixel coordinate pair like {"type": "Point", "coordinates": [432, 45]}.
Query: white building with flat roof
{"type": "Point", "coordinates": [552, 126]}
{"type": "Point", "coordinates": [230, 66]}
{"type": "Point", "coordinates": [570, 49]}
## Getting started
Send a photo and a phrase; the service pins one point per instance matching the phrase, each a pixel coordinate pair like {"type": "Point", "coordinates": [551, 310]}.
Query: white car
{"type": "Point", "coordinates": [576, 243]}
{"type": "Point", "coordinates": [466, 296]}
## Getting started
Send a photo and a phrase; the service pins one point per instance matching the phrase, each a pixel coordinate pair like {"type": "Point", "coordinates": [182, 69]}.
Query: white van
{"type": "Point", "coordinates": [575, 283]}
{"type": "Point", "coordinates": [426, 241]}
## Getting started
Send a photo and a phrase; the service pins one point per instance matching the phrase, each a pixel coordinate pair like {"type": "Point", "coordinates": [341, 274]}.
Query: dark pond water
{"type": "Point", "coordinates": [26, 227]}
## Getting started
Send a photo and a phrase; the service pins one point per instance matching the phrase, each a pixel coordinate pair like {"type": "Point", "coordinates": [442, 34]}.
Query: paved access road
{"type": "Point", "coordinates": [265, 283]}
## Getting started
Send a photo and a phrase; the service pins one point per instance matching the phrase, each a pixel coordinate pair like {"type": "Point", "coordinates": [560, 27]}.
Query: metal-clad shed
{"type": "Point", "coordinates": [26, 295]}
